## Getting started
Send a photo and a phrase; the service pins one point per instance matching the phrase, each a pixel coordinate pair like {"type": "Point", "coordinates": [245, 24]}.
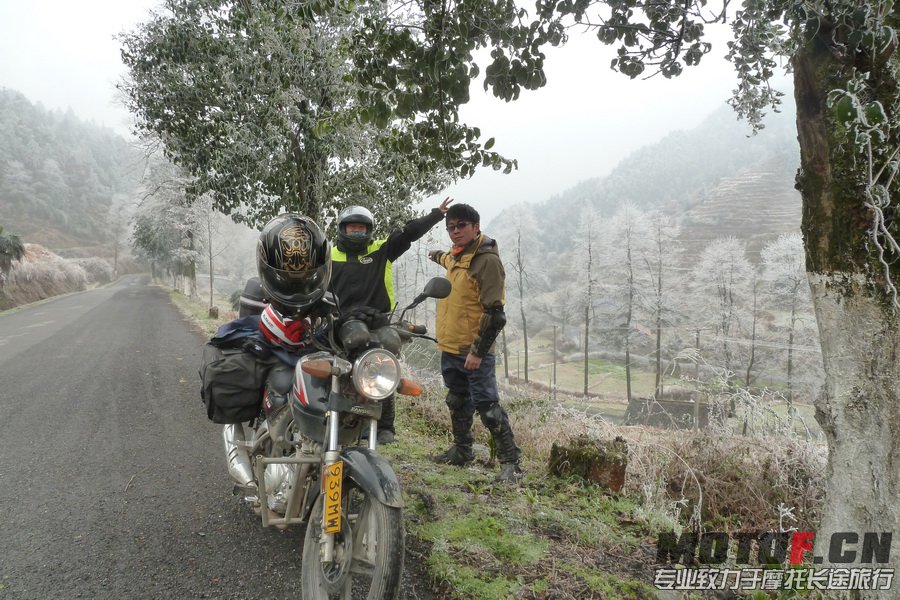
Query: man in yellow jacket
{"type": "Point", "coordinates": [468, 322]}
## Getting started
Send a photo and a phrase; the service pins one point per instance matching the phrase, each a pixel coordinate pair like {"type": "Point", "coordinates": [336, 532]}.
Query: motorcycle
{"type": "Point", "coordinates": [303, 460]}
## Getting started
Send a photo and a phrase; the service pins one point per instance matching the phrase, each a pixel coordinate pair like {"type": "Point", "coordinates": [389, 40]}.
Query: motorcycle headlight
{"type": "Point", "coordinates": [376, 374]}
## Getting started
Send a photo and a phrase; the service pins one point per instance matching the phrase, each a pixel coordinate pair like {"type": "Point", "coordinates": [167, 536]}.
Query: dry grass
{"type": "Point", "coordinates": [42, 274]}
{"type": "Point", "coordinates": [712, 479]}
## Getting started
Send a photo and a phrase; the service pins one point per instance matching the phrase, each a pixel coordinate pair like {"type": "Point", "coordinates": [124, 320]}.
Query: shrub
{"type": "Point", "coordinates": [42, 274]}
{"type": "Point", "coordinates": [99, 270]}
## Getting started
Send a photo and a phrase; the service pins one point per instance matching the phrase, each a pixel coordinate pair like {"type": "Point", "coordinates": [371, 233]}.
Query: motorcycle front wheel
{"type": "Point", "coordinates": [368, 552]}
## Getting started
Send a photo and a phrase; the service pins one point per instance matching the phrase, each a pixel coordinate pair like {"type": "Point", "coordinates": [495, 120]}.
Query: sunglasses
{"type": "Point", "coordinates": [454, 226]}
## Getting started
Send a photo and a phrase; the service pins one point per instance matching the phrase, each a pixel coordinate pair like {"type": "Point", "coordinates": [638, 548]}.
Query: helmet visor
{"type": "Point", "coordinates": [296, 288]}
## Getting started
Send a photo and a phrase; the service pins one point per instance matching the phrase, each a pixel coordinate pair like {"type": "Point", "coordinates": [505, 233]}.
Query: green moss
{"type": "Point", "coordinates": [540, 587]}
{"type": "Point", "coordinates": [468, 583]}
{"type": "Point", "coordinates": [486, 533]}
{"type": "Point", "coordinates": [610, 586]}
{"type": "Point", "coordinates": [589, 519]}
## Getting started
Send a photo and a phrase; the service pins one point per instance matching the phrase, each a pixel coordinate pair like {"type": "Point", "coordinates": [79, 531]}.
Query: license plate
{"type": "Point", "coordinates": [334, 475]}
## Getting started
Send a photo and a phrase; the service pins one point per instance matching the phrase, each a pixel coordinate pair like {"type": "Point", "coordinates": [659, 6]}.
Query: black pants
{"type": "Point", "coordinates": [386, 422]}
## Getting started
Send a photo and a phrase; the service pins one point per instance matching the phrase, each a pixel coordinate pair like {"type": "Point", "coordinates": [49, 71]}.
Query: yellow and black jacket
{"type": "Point", "coordinates": [367, 279]}
{"type": "Point", "coordinates": [478, 281]}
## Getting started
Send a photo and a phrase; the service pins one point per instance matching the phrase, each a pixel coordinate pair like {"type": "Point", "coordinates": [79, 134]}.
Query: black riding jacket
{"type": "Point", "coordinates": [367, 279]}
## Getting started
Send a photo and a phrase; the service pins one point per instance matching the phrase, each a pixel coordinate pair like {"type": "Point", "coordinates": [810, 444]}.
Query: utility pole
{"type": "Point", "coordinates": [697, 346]}
{"type": "Point", "coordinates": [553, 385]}
{"type": "Point", "coordinates": [697, 331]}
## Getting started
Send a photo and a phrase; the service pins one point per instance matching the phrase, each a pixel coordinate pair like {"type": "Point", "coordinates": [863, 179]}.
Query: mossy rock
{"type": "Point", "coordinates": [600, 461]}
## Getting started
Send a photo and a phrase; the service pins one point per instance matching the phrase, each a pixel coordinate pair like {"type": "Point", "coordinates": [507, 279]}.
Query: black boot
{"type": "Point", "coordinates": [495, 419]}
{"type": "Point", "coordinates": [386, 422]}
{"type": "Point", "coordinates": [461, 418]}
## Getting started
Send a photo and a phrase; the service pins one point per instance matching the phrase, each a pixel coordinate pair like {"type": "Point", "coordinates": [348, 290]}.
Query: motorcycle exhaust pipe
{"type": "Point", "coordinates": [238, 459]}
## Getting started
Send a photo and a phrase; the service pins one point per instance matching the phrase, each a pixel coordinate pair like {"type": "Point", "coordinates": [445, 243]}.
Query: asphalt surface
{"type": "Point", "coordinates": [112, 481]}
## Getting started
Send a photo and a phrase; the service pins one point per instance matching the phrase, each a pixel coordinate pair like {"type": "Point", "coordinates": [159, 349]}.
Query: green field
{"type": "Point", "coordinates": [605, 378]}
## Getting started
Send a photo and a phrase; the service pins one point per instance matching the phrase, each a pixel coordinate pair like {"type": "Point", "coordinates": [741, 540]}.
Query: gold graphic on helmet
{"type": "Point", "coordinates": [296, 244]}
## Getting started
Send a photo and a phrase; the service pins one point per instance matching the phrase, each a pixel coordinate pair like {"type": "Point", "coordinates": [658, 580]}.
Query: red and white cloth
{"type": "Point", "coordinates": [290, 334]}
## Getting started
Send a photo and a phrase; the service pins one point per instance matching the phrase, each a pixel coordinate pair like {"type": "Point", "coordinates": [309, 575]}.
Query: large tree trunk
{"type": "Point", "coordinates": [859, 410]}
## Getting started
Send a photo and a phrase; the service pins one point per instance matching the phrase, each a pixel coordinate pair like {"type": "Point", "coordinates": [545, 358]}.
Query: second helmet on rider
{"type": "Point", "coordinates": [355, 242]}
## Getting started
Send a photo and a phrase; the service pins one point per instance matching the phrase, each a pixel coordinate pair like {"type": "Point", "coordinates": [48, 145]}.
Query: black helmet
{"type": "Point", "coordinates": [293, 258]}
{"type": "Point", "coordinates": [355, 242]}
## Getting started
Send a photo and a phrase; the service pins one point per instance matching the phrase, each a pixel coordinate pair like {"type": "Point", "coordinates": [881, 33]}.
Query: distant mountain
{"type": "Point", "coordinates": [717, 179]}
{"type": "Point", "coordinates": [59, 176]}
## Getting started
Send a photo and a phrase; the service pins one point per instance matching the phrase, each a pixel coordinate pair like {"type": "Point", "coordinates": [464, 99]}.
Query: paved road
{"type": "Point", "coordinates": [112, 481]}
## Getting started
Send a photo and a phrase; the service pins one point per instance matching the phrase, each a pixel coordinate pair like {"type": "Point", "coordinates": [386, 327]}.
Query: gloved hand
{"type": "Point", "coordinates": [372, 317]}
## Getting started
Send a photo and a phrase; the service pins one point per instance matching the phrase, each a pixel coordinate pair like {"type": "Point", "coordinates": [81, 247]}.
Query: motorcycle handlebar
{"type": "Point", "coordinates": [416, 329]}
{"type": "Point", "coordinates": [409, 330]}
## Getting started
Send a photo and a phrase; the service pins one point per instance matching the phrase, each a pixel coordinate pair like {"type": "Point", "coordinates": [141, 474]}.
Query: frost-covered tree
{"type": "Point", "coordinates": [523, 271]}
{"type": "Point", "coordinates": [754, 321]}
{"type": "Point", "coordinates": [785, 271]}
{"type": "Point", "coordinates": [722, 279]}
{"type": "Point", "coordinates": [661, 301]}
{"type": "Point", "coordinates": [254, 101]}
{"type": "Point", "coordinates": [583, 273]}
{"type": "Point", "coordinates": [166, 225]}
{"type": "Point", "coordinates": [624, 282]}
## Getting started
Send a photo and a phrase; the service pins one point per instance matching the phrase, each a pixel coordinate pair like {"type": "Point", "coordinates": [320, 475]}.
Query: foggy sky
{"type": "Point", "coordinates": [585, 120]}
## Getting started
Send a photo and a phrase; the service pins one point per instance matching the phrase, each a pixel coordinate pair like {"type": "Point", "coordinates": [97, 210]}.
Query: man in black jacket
{"type": "Point", "coordinates": [362, 271]}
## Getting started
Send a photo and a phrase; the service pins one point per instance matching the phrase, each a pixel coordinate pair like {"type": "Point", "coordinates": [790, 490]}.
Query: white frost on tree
{"type": "Point", "coordinates": [721, 281]}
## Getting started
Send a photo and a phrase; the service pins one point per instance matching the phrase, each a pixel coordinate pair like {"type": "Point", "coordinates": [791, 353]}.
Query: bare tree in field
{"type": "Point", "coordinates": [518, 266]}
{"type": "Point", "coordinates": [520, 225]}
{"type": "Point", "coordinates": [624, 243]}
{"type": "Point", "coordinates": [209, 221]}
{"type": "Point", "coordinates": [754, 319]}
{"type": "Point", "coordinates": [721, 280]}
{"type": "Point", "coordinates": [662, 258]}
{"type": "Point", "coordinates": [584, 266]}
{"type": "Point", "coordinates": [785, 270]}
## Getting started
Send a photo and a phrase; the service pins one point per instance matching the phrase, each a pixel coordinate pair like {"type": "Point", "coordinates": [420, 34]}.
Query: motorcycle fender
{"type": "Point", "coordinates": [373, 474]}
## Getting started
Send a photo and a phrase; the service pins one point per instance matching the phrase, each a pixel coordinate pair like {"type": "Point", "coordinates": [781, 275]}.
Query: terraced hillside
{"type": "Point", "coordinates": [756, 206]}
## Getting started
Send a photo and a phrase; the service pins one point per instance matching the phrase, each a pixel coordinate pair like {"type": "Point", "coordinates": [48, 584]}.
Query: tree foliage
{"type": "Point", "coordinates": [258, 102]}
{"type": "Point", "coordinates": [167, 228]}
{"type": "Point", "coordinates": [11, 250]}
{"type": "Point", "coordinates": [416, 61]}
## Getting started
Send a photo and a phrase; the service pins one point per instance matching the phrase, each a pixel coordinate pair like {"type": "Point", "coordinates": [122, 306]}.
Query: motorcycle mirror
{"type": "Point", "coordinates": [437, 287]}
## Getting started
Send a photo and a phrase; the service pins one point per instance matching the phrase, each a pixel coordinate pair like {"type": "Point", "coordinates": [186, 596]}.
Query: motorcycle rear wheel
{"type": "Point", "coordinates": [368, 552]}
